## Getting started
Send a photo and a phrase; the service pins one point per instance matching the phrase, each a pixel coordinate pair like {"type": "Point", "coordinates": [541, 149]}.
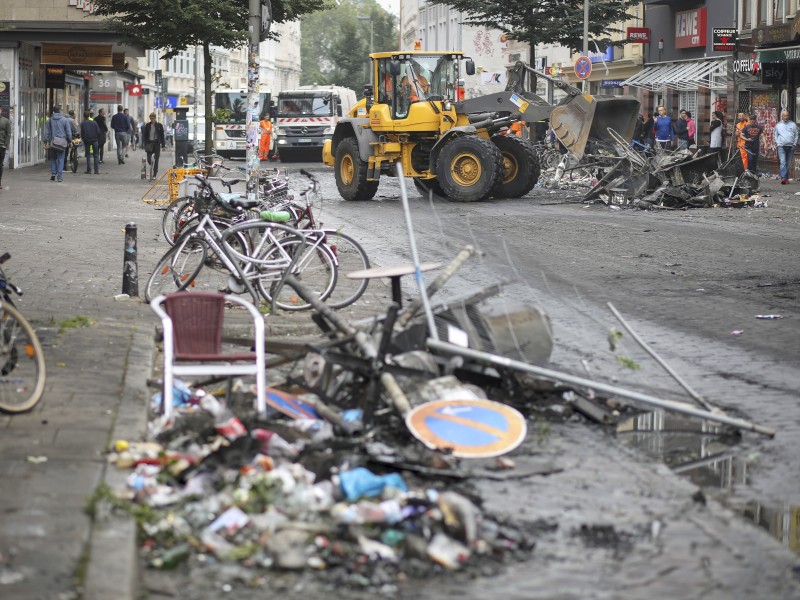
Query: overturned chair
{"type": "Point", "coordinates": [193, 326]}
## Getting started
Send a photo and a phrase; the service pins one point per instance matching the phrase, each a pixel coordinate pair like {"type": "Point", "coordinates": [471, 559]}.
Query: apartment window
{"type": "Point", "coordinates": [778, 11]}
{"type": "Point", "coordinates": [747, 14]}
{"type": "Point", "coordinates": [791, 8]}
{"type": "Point", "coordinates": [763, 10]}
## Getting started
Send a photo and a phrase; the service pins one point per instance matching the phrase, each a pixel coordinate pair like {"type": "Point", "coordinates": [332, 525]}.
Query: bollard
{"type": "Point", "coordinates": [130, 270]}
{"type": "Point", "coordinates": [144, 169]}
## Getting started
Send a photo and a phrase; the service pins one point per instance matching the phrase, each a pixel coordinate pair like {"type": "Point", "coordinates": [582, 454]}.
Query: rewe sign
{"type": "Point", "coordinates": [690, 28]}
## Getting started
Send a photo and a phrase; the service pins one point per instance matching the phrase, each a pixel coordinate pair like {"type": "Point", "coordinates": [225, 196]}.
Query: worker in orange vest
{"type": "Point", "coordinates": [266, 139]}
{"type": "Point", "coordinates": [515, 129]}
{"type": "Point", "coordinates": [744, 121]}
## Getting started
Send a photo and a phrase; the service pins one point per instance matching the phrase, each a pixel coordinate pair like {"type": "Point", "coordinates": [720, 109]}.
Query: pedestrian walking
{"type": "Point", "coordinates": [121, 125]}
{"type": "Point", "coordinates": [57, 132]}
{"type": "Point", "coordinates": [716, 133]}
{"type": "Point", "coordinates": [170, 134]}
{"type": "Point", "coordinates": [785, 135]}
{"type": "Point", "coordinates": [742, 122]}
{"type": "Point", "coordinates": [638, 129]}
{"type": "Point", "coordinates": [90, 134]}
{"type": "Point", "coordinates": [648, 134]}
{"type": "Point", "coordinates": [265, 143]}
{"type": "Point", "coordinates": [100, 119]}
{"type": "Point", "coordinates": [682, 131]}
{"type": "Point", "coordinates": [752, 145]}
{"type": "Point", "coordinates": [691, 126]}
{"type": "Point", "coordinates": [154, 143]}
{"type": "Point", "coordinates": [5, 140]}
{"type": "Point", "coordinates": [662, 129]}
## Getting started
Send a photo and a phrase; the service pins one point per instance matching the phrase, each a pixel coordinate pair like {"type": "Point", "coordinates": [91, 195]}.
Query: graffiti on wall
{"type": "Point", "coordinates": [766, 107]}
{"type": "Point", "coordinates": [721, 104]}
{"type": "Point", "coordinates": [482, 42]}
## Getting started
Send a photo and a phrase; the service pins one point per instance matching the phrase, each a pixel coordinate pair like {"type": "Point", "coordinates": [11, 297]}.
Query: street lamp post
{"type": "Point", "coordinates": [371, 31]}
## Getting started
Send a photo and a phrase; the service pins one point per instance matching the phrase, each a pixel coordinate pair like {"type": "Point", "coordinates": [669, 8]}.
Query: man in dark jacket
{"type": "Point", "coordinates": [154, 142]}
{"type": "Point", "coordinates": [100, 119]}
{"type": "Point", "coordinates": [682, 131]}
{"type": "Point", "coordinates": [121, 124]}
{"type": "Point", "coordinates": [90, 134]}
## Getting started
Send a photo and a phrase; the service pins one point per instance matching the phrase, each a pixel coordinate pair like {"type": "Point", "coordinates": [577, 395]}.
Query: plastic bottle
{"type": "Point", "coordinates": [225, 422]}
{"type": "Point", "coordinates": [274, 445]}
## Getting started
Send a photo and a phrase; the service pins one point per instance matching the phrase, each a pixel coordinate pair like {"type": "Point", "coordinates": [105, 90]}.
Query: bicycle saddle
{"type": "Point", "coordinates": [236, 201]}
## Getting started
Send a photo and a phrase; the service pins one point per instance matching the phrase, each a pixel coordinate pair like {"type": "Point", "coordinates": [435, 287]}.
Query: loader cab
{"type": "Point", "coordinates": [404, 79]}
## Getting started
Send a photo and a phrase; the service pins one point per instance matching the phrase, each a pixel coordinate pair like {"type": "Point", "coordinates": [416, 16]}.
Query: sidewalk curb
{"type": "Point", "coordinates": [113, 562]}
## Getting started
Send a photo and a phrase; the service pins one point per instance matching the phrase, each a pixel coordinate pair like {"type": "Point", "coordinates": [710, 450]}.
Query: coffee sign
{"type": "Point", "coordinates": [724, 39]}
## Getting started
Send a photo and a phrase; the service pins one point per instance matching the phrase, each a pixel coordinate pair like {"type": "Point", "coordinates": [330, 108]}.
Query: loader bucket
{"type": "Point", "coordinates": [585, 117]}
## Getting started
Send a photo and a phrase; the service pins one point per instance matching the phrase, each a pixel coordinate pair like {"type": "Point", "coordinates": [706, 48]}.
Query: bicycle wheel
{"type": "Point", "coordinates": [178, 268]}
{"type": "Point", "coordinates": [315, 267]}
{"type": "Point", "coordinates": [22, 369]}
{"type": "Point", "coordinates": [73, 159]}
{"type": "Point", "coordinates": [350, 256]}
{"type": "Point", "coordinates": [175, 216]}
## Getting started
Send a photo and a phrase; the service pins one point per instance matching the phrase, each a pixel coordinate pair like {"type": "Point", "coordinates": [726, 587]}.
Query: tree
{"type": "Point", "coordinates": [545, 21]}
{"type": "Point", "coordinates": [171, 26]}
{"type": "Point", "coordinates": [335, 43]}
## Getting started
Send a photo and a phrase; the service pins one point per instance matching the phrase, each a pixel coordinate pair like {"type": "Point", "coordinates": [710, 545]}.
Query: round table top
{"type": "Point", "coordinates": [392, 271]}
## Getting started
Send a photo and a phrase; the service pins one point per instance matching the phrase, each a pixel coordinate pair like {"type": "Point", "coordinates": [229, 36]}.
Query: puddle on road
{"type": "Point", "coordinates": [708, 455]}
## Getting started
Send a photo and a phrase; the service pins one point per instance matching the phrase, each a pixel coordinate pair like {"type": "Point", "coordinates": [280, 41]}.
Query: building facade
{"type": "Point", "coordinates": [682, 70]}
{"type": "Point", "coordinates": [58, 51]}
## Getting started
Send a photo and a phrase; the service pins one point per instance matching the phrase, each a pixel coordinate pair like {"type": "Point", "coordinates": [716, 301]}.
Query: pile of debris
{"type": "Point", "coordinates": [292, 494]}
{"type": "Point", "coordinates": [618, 175]}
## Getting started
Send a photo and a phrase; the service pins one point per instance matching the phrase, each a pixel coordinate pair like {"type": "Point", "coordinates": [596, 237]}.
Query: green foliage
{"type": "Point", "coordinates": [335, 43]}
{"type": "Point", "coordinates": [628, 362]}
{"type": "Point", "coordinates": [546, 21]}
{"type": "Point", "coordinates": [74, 323]}
{"type": "Point", "coordinates": [614, 337]}
{"type": "Point", "coordinates": [221, 115]}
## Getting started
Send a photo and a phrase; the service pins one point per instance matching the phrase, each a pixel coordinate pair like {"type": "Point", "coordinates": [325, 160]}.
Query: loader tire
{"type": "Point", "coordinates": [424, 186]}
{"type": "Point", "coordinates": [351, 172]}
{"type": "Point", "coordinates": [468, 168]}
{"type": "Point", "coordinates": [520, 167]}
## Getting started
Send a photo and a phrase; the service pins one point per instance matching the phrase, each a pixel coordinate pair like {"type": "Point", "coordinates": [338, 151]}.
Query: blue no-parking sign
{"type": "Point", "coordinates": [583, 67]}
{"type": "Point", "coordinates": [468, 428]}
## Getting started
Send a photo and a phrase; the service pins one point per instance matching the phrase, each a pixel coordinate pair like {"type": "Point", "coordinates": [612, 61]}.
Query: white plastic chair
{"type": "Point", "coordinates": [193, 325]}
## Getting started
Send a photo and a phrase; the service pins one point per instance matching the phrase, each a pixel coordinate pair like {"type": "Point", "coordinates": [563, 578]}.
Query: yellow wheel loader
{"type": "Point", "coordinates": [460, 149]}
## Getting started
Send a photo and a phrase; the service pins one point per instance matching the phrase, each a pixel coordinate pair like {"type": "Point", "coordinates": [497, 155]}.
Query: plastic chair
{"type": "Point", "coordinates": [193, 324]}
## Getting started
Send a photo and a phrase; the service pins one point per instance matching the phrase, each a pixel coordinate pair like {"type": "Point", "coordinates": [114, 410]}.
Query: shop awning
{"type": "Point", "coordinates": [690, 75]}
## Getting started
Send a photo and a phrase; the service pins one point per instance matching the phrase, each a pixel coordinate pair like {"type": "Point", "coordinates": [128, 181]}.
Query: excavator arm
{"type": "Point", "coordinates": [575, 120]}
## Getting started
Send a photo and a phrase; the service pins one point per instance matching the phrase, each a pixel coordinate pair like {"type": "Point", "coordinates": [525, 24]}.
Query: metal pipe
{"type": "Point", "coordinates": [414, 256]}
{"type": "Point", "coordinates": [661, 361]}
{"type": "Point", "coordinates": [646, 399]}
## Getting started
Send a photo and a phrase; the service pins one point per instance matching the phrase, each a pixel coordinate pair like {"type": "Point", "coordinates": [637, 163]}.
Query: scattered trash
{"type": "Point", "coordinates": [769, 317]}
{"type": "Point", "coordinates": [737, 332]}
{"type": "Point", "coordinates": [36, 460]}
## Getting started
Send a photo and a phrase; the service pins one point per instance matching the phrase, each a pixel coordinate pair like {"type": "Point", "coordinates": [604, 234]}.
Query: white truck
{"type": "Point", "coordinates": [306, 117]}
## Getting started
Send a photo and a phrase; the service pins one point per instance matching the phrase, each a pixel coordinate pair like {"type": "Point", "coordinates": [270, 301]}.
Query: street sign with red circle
{"type": "Point", "coordinates": [583, 67]}
{"type": "Point", "coordinates": [472, 428]}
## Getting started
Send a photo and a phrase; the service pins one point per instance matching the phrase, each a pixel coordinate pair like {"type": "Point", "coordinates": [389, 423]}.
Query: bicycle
{"type": "Point", "coordinates": [22, 367]}
{"type": "Point", "coordinates": [350, 255]}
{"type": "Point", "coordinates": [246, 256]}
{"type": "Point", "coordinates": [72, 157]}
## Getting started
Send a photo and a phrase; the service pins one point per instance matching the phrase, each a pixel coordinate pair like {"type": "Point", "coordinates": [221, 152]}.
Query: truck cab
{"type": "Point", "coordinates": [306, 117]}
